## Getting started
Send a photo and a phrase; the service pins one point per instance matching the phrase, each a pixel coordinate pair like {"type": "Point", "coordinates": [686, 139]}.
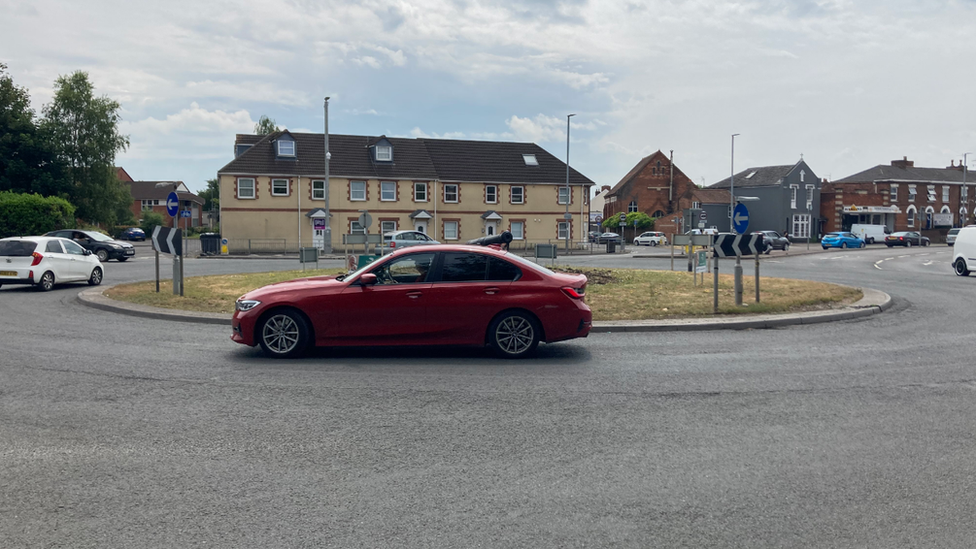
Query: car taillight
{"type": "Point", "coordinates": [37, 259]}
{"type": "Point", "coordinates": [575, 293]}
{"type": "Point", "coordinates": [392, 244]}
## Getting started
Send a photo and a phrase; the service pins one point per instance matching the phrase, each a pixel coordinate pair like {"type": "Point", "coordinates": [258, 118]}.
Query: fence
{"type": "Point", "coordinates": [238, 246]}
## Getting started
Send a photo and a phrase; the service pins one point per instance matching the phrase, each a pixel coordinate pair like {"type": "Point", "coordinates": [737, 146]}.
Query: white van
{"type": "Point", "coordinates": [869, 233]}
{"type": "Point", "coordinates": [964, 251]}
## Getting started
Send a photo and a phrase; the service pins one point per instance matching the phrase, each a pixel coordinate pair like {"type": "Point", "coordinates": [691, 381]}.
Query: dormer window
{"type": "Point", "coordinates": [384, 153]}
{"type": "Point", "coordinates": [286, 147]}
{"type": "Point", "coordinates": [530, 160]}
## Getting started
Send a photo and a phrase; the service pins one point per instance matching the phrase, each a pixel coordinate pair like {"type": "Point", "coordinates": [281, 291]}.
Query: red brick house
{"type": "Point", "coordinates": [662, 191]}
{"type": "Point", "coordinates": [151, 196]}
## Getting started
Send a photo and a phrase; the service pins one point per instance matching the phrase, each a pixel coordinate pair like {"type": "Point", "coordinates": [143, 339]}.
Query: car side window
{"type": "Point", "coordinates": [54, 247]}
{"type": "Point", "coordinates": [73, 248]}
{"type": "Point", "coordinates": [499, 269]}
{"type": "Point", "coordinates": [409, 269]}
{"type": "Point", "coordinates": [464, 267]}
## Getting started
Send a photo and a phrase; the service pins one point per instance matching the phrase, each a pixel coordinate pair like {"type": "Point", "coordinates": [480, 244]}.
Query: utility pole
{"type": "Point", "coordinates": [328, 216]}
{"type": "Point", "coordinates": [566, 216]}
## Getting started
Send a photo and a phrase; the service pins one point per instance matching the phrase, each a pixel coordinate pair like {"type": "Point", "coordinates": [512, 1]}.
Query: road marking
{"type": "Point", "coordinates": [928, 263]}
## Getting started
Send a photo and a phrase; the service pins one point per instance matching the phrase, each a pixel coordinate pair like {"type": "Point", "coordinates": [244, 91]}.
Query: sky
{"type": "Point", "coordinates": [846, 85]}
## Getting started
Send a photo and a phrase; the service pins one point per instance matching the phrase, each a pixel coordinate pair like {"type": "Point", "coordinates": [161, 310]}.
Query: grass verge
{"type": "Point", "coordinates": [612, 294]}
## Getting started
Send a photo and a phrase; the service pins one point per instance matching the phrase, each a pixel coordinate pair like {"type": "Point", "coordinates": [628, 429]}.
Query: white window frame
{"type": "Point", "coordinates": [793, 189]}
{"type": "Point", "coordinates": [387, 226]}
{"type": "Point", "coordinates": [931, 193]}
{"type": "Point", "coordinates": [518, 230]}
{"type": "Point", "coordinates": [911, 193]}
{"type": "Point", "coordinates": [801, 226]}
{"type": "Point", "coordinates": [450, 230]}
{"type": "Point", "coordinates": [521, 193]}
{"type": "Point", "coordinates": [694, 205]}
{"type": "Point", "coordinates": [448, 192]}
{"type": "Point", "coordinates": [420, 187]}
{"type": "Point", "coordinates": [353, 191]}
{"type": "Point", "coordinates": [810, 189]}
{"type": "Point", "coordinates": [384, 153]}
{"type": "Point", "coordinates": [562, 197]}
{"type": "Point", "coordinates": [632, 207]}
{"type": "Point", "coordinates": [491, 194]}
{"type": "Point", "coordinates": [945, 193]}
{"type": "Point", "coordinates": [562, 230]}
{"type": "Point", "coordinates": [253, 187]}
{"type": "Point", "coordinates": [318, 189]}
{"type": "Point", "coordinates": [356, 228]}
{"type": "Point", "coordinates": [274, 191]}
{"type": "Point", "coordinates": [530, 160]}
{"type": "Point", "coordinates": [282, 144]}
{"type": "Point", "coordinates": [388, 191]}
{"type": "Point", "coordinates": [893, 192]}
{"type": "Point", "coordinates": [911, 214]}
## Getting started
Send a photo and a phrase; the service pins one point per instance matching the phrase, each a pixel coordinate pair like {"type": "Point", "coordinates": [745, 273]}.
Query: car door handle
{"type": "Point", "coordinates": [414, 295]}
{"type": "Point", "coordinates": [491, 291]}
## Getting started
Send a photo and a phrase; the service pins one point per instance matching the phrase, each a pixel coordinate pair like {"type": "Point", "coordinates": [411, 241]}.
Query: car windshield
{"type": "Point", "coordinates": [17, 248]}
{"type": "Point", "coordinates": [98, 237]}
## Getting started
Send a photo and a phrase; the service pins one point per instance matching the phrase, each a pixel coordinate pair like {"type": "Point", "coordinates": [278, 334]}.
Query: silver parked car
{"type": "Point", "coordinates": [951, 236]}
{"type": "Point", "coordinates": [401, 239]}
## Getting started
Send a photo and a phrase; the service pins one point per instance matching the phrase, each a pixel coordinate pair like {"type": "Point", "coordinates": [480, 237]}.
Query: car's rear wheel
{"type": "Point", "coordinates": [960, 267]}
{"type": "Point", "coordinates": [102, 255]}
{"type": "Point", "coordinates": [843, 244]}
{"type": "Point", "coordinates": [96, 277]}
{"type": "Point", "coordinates": [908, 243]}
{"type": "Point", "coordinates": [47, 282]}
{"type": "Point", "coordinates": [514, 334]}
{"type": "Point", "coordinates": [283, 334]}
{"type": "Point", "coordinates": [786, 247]}
{"type": "Point", "coordinates": [925, 243]}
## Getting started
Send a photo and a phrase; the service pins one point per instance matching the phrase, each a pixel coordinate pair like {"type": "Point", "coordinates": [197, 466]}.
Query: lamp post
{"type": "Point", "coordinates": [965, 168]}
{"type": "Point", "coordinates": [732, 188]}
{"type": "Point", "coordinates": [327, 248]}
{"type": "Point", "coordinates": [566, 216]}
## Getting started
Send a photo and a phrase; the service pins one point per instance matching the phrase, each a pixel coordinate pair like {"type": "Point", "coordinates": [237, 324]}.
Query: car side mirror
{"type": "Point", "coordinates": [367, 279]}
{"type": "Point", "coordinates": [88, 252]}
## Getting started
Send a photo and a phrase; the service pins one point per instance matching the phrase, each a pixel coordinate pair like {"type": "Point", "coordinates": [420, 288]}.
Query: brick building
{"type": "Point", "coordinates": [901, 197]}
{"type": "Point", "coordinates": [662, 191]}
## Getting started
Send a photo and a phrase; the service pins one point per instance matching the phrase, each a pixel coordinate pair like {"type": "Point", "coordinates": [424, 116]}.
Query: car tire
{"type": "Point", "coordinates": [283, 333]}
{"type": "Point", "coordinates": [863, 245]}
{"type": "Point", "coordinates": [653, 243]}
{"type": "Point", "coordinates": [925, 243]}
{"type": "Point", "coordinates": [46, 283]}
{"type": "Point", "coordinates": [843, 244]}
{"type": "Point", "coordinates": [960, 267]}
{"type": "Point", "coordinates": [825, 247]}
{"type": "Point", "coordinates": [96, 277]}
{"type": "Point", "coordinates": [121, 259]}
{"type": "Point", "coordinates": [908, 244]}
{"type": "Point", "coordinates": [514, 334]}
{"type": "Point", "coordinates": [102, 255]}
{"type": "Point", "coordinates": [786, 247]}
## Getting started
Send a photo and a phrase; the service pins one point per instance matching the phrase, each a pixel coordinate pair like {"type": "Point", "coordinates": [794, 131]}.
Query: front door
{"type": "Point", "coordinates": [491, 228]}
{"type": "Point", "coordinates": [420, 226]}
{"type": "Point", "coordinates": [318, 233]}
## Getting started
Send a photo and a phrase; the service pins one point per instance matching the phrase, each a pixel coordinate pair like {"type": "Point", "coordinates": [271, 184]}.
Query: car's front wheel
{"type": "Point", "coordinates": [843, 244]}
{"type": "Point", "coordinates": [102, 255]}
{"type": "Point", "coordinates": [47, 282]}
{"type": "Point", "coordinates": [514, 334]}
{"type": "Point", "coordinates": [96, 277]}
{"type": "Point", "coordinates": [960, 267]}
{"type": "Point", "coordinates": [283, 334]}
{"type": "Point", "coordinates": [786, 247]}
{"type": "Point", "coordinates": [121, 259]}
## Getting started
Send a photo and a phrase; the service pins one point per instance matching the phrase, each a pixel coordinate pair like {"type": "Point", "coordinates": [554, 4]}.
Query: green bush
{"type": "Point", "coordinates": [151, 220]}
{"type": "Point", "coordinates": [33, 214]}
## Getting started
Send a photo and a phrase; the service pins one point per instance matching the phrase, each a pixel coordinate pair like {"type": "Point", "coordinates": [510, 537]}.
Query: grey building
{"type": "Point", "coordinates": [788, 199]}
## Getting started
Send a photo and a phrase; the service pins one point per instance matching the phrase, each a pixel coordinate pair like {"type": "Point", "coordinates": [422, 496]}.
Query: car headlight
{"type": "Point", "coordinates": [246, 304]}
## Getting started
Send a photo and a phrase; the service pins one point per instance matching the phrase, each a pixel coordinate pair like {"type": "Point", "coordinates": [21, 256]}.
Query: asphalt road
{"type": "Point", "coordinates": [118, 431]}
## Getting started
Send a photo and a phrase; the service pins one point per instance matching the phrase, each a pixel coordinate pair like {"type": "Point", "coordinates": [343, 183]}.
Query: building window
{"type": "Point", "coordinates": [563, 196]}
{"type": "Point", "coordinates": [318, 189]}
{"type": "Point", "coordinates": [450, 230]}
{"type": "Point", "coordinates": [809, 197]}
{"type": "Point", "coordinates": [530, 160]}
{"type": "Point", "coordinates": [801, 226]}
{"type": "Point", "coordinates": [357, 191]}
{"type": "Point", "coordinates": [450, 193]}
{"type": "Point", "coordinates": [911, 217]}
{"type": "Point", "coordinates": [945, 193]}
{"type": "Point", "coordinates": [803, 175]}
{"type": "Point", "coordinates": [420, 192]}
{"type": "Point", "coordinates": [388, 191]}
{"type": "Point", "coordinates": [356, 228]}
{"type": "Point", "coordinates": [388, 227]}
{"type": "Point", "coordinates": [563, 230]}
{"type": "Point", "coordinates": [964, 193]}
{"type": "Point", "coordinates": [279, 187]}
{"type": "Point", "coordinates": [632, 207]}
{"type": "Point", "coordinates": [149, 203]}
{"type": "Point", "coordinates": [931, 193]}
{"type": "Point", "coordinates": [286, 148]}
{"type": "Point", "coordinates": [694, 206]}
{"type": "Point", "coordinates": [491, 194]}
{"type": "Point", "coordinates": [893, 192]}
{"type": "Point", "coordinates": [518, 230]}
{"type": "Point", "coordinates": [911, 193]}
{"type": "Point", "coordinates": [518, 195]}
{"type": "Point", "coordinates": [245, 188]}
{"type": "Point", "coordinates": [384, 153]}
{"type": "Point", "coordinates": [793, 189]}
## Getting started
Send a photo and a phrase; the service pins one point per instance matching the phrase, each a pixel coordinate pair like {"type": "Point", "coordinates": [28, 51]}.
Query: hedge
{"type": "Point", "coordinates": [33, 214]}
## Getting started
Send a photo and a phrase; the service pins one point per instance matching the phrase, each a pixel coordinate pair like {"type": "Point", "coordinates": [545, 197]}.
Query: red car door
{"type": "Point", "coordinates": [471, 289]}
{"type": "Point", "coordinates": [393, 310]}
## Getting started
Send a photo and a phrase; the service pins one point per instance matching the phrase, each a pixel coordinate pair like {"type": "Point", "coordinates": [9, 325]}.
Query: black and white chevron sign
{"type": "Point", "coordinates": [731, 245]}
{"type": "Point", "coordinates": [167, 241]}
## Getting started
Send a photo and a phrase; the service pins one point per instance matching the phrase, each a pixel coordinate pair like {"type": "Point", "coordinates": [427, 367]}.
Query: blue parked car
{"type": "Point", "coordinates": [133, 233]}
{"type": "Point", "coordinates": [841, 240]}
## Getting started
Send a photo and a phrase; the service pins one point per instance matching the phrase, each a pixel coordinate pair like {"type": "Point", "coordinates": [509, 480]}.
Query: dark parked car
{"type": "Point", "coordinates": [774, 241]}
{"type": "Point", "coordinates": [102, 245]}
{"type": "Point", "coordinates": [907, 239]}
{"type": "Point", "coordinates": [609, 237]}
{"type": "Point", "coordinates": [133, 233]}
{"type": "Point", "coordinates": [420, 295]}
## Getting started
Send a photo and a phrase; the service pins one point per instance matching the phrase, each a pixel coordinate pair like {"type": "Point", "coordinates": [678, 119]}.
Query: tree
{"type": "Point", "coordinates": [150, 220]}
{"type": "Point", "coordinates": [265, 126]}
{"type": "Point", "coordinates": [85, 132]}
{"type": "Point", "coordinates": [211, 196]}
{"type": "Point", "coordinates": [27, 160]}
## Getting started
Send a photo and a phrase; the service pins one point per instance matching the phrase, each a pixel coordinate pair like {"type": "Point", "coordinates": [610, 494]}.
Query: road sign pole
{"type": "Point", "coordinates": [714, 283]}
{"type": "Point", "coordinates": [671, 237]}
{"type": "Point", "coordinates": [738, 279]}
{"type": "Point", "coordinates": [757, 278]}
{"type": "Point", "coordinates": [182, 251]}
{"type": "Point", "coordinates": [157, 271]}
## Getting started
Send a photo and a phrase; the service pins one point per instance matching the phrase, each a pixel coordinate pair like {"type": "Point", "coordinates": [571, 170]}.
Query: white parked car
{"type": "Point", "coordinates": [43, 261]}
{"type": "Point", "coordinates": [395, 240]}
{"type": "Point", "coordinates": [651, 238]}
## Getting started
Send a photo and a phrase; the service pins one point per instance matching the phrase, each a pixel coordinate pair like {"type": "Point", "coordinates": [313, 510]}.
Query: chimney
{"type": "Point", "coordinates": [904, 163]}
{"type": "Point", "coordinates": [606, 188]}
{"type": "Point", "coordinates": [953, 166]}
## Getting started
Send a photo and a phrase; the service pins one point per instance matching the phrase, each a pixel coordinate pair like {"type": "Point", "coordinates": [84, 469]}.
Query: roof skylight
{"type": "Point", "coordinates": [530, 160]}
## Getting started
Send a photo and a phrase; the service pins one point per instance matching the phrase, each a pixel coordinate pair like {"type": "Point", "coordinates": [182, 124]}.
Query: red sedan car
{"type": "Point", "coordinates": [423, 295]}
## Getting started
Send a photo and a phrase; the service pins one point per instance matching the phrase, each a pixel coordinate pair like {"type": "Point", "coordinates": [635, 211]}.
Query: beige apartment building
{"type": "Point", "coordinates": [273, 192]}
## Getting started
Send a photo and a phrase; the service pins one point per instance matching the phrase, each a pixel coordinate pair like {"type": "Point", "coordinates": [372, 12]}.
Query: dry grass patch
{"type": "Point", "coordinates": [613, 294]}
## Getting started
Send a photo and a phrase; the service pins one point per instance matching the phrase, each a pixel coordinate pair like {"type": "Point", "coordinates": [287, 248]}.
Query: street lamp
{"type": "Point", "coordinates": [965, 168]}
{"type": "Point", "coordinates": [327, 248]}
{"type": "Point", "coordinates": [566, 216]}
{"type": "Point", "coordinates": [732, 189]}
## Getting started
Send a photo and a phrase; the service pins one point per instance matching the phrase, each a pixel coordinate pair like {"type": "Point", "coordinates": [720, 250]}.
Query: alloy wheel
{"type": "Point", "coordinates": [281, 334]}
{"type": "Point", "coordinates": [515, 335]}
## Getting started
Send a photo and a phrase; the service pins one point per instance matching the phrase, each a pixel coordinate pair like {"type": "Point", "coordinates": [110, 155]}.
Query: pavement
{"type": "Point", "coordinates": [873, 302]}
